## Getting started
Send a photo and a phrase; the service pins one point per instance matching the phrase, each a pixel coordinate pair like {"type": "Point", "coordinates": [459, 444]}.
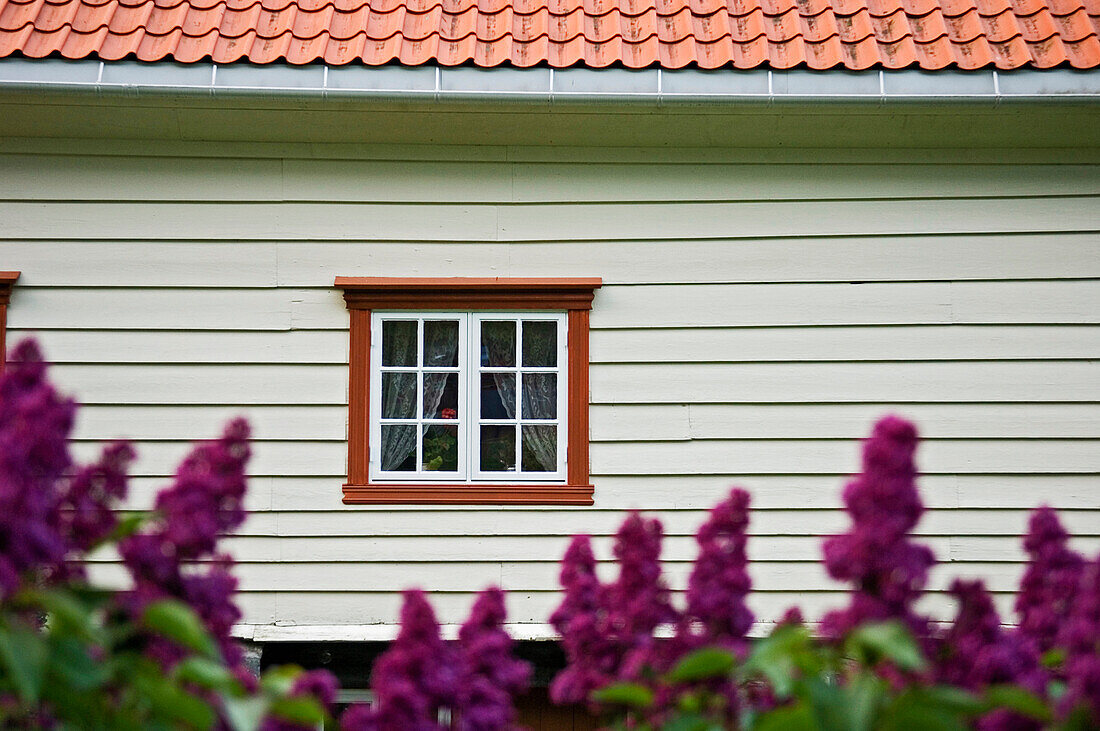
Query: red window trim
{"type": "Point", "coordinates": [7, 281]}
{"type": "Point", "coordinates": [364, 294]}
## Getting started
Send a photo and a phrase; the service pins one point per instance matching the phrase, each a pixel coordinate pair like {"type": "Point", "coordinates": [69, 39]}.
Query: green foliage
{"type": "Point", "coordinates": [874, 680]}
{"type": "Point", "coordinates": [1018, 699]}
{"type": "Point", "coordinates": [631, 695]}
{"type": "Point", "coordinates": [176, 621]}
{"type": "Point", "coordinates": [888, 641]}
{"type": "Point", "coordinates": [710, 662]}
{"type": "Point", "coordinates": [68, 652]}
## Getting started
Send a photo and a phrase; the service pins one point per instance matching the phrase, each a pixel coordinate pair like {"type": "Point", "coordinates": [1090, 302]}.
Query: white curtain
{"type": "Point", "coordinates": [399, 390]}
{"type": "Point", "coordinates": [540, 396]}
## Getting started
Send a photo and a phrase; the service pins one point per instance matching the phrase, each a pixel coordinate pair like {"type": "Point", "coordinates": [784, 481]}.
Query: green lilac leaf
{"type": "Point", "coordinates": [864, 697]}
{"type": "Point", "coordinates": [1017, 699]}
{"type": "Point", "coordinates": [278, 681]}
{"type": "Point", "coordinates": [892, 641]}
{"type": "Point", "coordinates": [169, 700]}
{"type": "Point", "coordinates": [690, 722]}
{"type": "Point", "coordinates": [624, 694]}
{"type": "Point", "coordinates": [71, 663]}
{"type": "Point", "coordinates": [179, 623]}
{"type": "Point", "coordinates": [950, 698]}
{"type": "Point", "coordinates": [301, 710]}
{"type": "Point", "coordinates": [709, 662]}
{"type": "Point", "coordinates": [244, 714]}
{"type": "Point", "coordinates": [788, 718]}
{"type": "Point", "coordinates": [778, 656]}
{"type": "Point", "coordinates": [24, 654]}
{"type": "Point", "coordinates": [205, 673]}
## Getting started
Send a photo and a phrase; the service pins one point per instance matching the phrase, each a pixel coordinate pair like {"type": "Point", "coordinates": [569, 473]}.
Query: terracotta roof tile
{"type": "Point", "coordinates": [15, 16]}
{"type": "Point", "coordinates": [780, 34]}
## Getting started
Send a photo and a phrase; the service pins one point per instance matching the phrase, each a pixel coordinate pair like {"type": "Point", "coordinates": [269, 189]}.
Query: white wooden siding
{"type": "Point", "coordinates": [760, 310]}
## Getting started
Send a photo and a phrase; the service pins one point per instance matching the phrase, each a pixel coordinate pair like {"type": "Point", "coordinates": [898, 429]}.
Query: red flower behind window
{"type": "Point", "coordinates": [450, 414]}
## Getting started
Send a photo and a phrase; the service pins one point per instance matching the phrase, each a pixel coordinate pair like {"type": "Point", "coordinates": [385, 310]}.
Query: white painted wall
{"type": "Point", "coordinates": [759, 312]}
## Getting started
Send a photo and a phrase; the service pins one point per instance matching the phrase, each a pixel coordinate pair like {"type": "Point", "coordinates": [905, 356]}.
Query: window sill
{"type": "Point", "coordinates": [480, 494]}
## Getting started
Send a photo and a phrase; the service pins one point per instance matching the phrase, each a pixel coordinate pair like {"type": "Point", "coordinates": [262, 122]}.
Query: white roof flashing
{"type": "Point", "coordinates": [545, 85]}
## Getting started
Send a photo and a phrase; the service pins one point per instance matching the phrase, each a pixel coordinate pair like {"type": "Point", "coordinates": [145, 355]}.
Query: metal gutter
{"type": "Point", "coordinates": [545, 85]}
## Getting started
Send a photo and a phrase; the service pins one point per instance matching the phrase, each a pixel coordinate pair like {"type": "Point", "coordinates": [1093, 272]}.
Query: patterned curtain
{"type": "Point", "coordinates": [399, 390]}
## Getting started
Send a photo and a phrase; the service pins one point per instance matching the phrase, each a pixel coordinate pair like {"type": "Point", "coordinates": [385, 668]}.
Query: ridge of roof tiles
{"type": "Point", "coordinates": [708, 34]}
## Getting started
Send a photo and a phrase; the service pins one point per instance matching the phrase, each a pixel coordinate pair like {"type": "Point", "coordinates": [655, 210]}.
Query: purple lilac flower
{"type": "Point", "coordinates": [321, 685]}
{"type": "Point", "coordinates": [204, 501]}
{"type": "Point", "coordinates": [207, 497]}
{"type": "Point", "coordinates": [34, 426]}
{"type": "Point", "coordinates": [492, 676]}
{"type": "Point", "coordinates": [87, 507]}
{"type": "Point", "coordinates": [1050, 581]}
{"type": "Point", "coordinates": [976, 627]}
{"type": "Point", "coordinates": [977, 652]}
{"type": "Point", "coordinates": [716, 612]}
{"type": "Point", "coordinates": [887, 569]}
{"type": "Point", "coordinates": [581, 621]}
{"type": "Point", "coordinates": [792, 617]}
{"type": "Point", "coordinates": [210, 593]}
{"type": "Point", "coordinates": [416, 676]}
{"type": "Point", "coordinates": [358, 717]}
{"type": "Point", "coordinates": [638, 601]}
{"type": "Point", "coordinates": [1079, 637]}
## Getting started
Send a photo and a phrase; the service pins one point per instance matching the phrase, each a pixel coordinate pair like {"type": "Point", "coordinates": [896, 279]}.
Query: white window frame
{"type": "Point", "coordinates": [469, 419]}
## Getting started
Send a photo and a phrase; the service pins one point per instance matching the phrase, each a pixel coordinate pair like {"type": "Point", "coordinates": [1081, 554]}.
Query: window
{"type": "Point", "coordinates": [468, 390]}
{"type": "Point", "coordinates": [468, 397]}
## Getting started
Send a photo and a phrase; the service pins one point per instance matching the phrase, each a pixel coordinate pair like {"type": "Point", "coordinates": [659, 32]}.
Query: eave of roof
{"type": "Point", "coordinates": [546, 85]}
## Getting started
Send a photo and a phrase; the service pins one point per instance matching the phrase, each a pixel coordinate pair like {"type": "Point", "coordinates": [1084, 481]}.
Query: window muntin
{"type": "Point", "coordinates": [469, 397]}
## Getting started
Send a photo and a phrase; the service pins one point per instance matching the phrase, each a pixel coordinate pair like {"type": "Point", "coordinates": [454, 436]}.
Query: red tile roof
{"type": "Point", "coordinates": [778, 34]}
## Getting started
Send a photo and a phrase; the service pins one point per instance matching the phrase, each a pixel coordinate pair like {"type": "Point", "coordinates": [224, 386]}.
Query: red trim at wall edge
{"type": "Point", "coordinates": [7, 281]}
{"type": "Point", "coordinates": [362, 294]}
{"type": "Point", "coordinates": [420, 494]}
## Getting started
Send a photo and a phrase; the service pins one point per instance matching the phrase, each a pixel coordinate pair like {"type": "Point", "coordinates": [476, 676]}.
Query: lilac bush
{"type": "Point", "coordinates": [1052, 578]}
{"type": "Point", "coordinates": [417, 676]}
{"type": "Point", "coordinates": [638, 601]}
{"type": "Point", "coordinates": [88, 515]}
{"type": "Point", "coordinates": [34, 457]}
{"type": "Point", "coordinates": [421, 679]}
{"type": "Point", "coordinates": [716, 613]}
{"type": "Point", "coordinates": [204, 501]}
{"type": "Point", "coordinates": [161, 654]}
{"type": "Point", "coordinates": [877, 661]}
{"type": "Point", "coordinates": [977, 651]}
{"type": "Point", "coordinates": [608, 631]}
{"type": "Point", "coordinates": [888, 571]}
{"type": "Point", "coordinates": [157, 655]}
{"type": "Point", "coordinates": [611, 632]}
{"type": "Point", "coordinates": [492, 677]}
{"type": "Point", "coordinates": [581, 622]}
{"type": "Point", "coordinates": [1079, 639]}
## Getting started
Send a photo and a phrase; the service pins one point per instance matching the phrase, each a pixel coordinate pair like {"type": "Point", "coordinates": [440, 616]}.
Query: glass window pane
{"type": "Point", "coordinates": [498, 395]}
{"type": "Point", "coordinates": [540, 343]}
{"type": "Point", "coordinates": [540, 448]}
{"type": "Point", "coordinates": [398, 343]}
{"type": "Point", "coordinates": [498, 448]}
{"type": "Point", "coordinates": [540, 395]}
{"type": "Point", "coordinates": [398, 395]}
{"type": "Point", "coordinates": [440, 450]}
{"type": "Point", "coordinates": [440, 395]}
{"type": "Point", "coordinates": [498, 343]}
{"type": "Point", "coordinates": [441, 343]}
{"type": "Point", "coordinates": [398, 453]}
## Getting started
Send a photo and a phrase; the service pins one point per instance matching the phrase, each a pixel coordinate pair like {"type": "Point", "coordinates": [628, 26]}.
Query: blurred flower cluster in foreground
{"type": "Point", "coordinates": [160, 653]}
